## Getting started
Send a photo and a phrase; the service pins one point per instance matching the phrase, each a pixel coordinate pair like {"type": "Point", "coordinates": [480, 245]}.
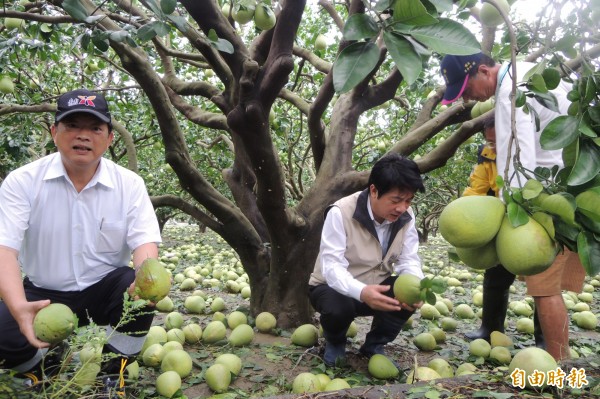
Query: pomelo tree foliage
{"type": "Point", "coordinates": [252, 133]}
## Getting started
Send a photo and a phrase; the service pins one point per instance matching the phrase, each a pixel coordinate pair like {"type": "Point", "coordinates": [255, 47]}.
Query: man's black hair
{"type": "Point", "coordinates": [485, 60]}
{"type": "Point", "coordinates": [395, 171]}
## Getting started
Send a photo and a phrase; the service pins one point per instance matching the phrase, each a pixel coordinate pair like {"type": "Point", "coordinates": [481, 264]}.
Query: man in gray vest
{"type": "Point", "coordinates": [368, 239]}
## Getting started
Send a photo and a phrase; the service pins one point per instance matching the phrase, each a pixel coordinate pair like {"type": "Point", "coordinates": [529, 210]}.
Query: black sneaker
{"type": "Point", "coordinates": [113, 378]}
{"type": "Point", "coordinates": [48, 368]}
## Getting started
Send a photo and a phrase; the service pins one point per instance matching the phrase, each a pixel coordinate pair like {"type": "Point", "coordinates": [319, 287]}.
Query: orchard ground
{"type": "Point", "coordinates": [270, 363]}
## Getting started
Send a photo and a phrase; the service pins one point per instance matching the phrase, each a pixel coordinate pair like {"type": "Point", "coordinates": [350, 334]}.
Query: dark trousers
{"type": "Point", "coordinates": [102, 302]}
{"type": "Point", "coordinates": [338, 311]}
{"type": "Point", "coordinates": [497, 278]}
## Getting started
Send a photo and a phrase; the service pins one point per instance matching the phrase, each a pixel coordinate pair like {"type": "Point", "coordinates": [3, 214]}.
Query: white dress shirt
{"type": "Point", "coordinates": [67, 240]}
{"type": "Point", "coordinates": [333, 246]}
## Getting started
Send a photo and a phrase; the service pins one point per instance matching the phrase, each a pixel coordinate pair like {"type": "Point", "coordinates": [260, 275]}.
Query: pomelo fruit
{"type": "Point", "coordinates": [525, 250]}
{"type": "Point", "coordinates": [264, 17]}
{"type": "Point", "coordinates": [448, 324]}
{"type": "Point", "coordinates": [231, 361]}
{"type": "Point", "coordinates": [177, 360]}
{"type": "Point", "coordinates": [323, 379]}
{"type": "Point", "coordinates": [438, 334]}
{"type": "Point", "coordinates": [381, 367]}
{"type": "Point", "coordinates": [6, 85]}
{"type": "Point", "coordinates": [480, 258]}
{"type": "Point", "coordinates": [472, 221]}
{"type": "Point", "coordinates": [242, 335]}
{"type": "Point", "coordinates": [490, 16]}
{"type": "Point", "coordinates": [153, 356]}
{"type": "Point", "coordinates": [501, 354]}
{"type": "Point", "coordinates": [336, 384]}
{"type": "Point", "coordinates": [480, 348]}
{"type": "Point", "coordinates": [305, 335]}
{"type": "Point", "coordinates": [158, 334]}
{"type": "Point", "coordinates": [498, 338]}
{"type": "Point", "coordinates": [236, 318]}
{"type": "Point", "coordinates": [217, 305]}
{"type": "Point", "coordinates": [90, 353]}
{"type": "Point", "coordinates": [172, 345]}
{"type": "Point", "coordinates": [218, 377]}
{"type": "Point", "coordinates": [429, 312]}
{"type": "Point", "coordinates": [425, 341]}
{"type": "Point", "coordinates": [407, 289]}
{"type": "Point", "coordinates": [530, 360]}
{"type": "Point", "coordinates": [165, 305]}
{"type": "Point", "coordinates": [442, 367]}
{"type": "Point", "coordinates": [195, 304]}
{"type": "Point", "coordinates": [14, 23]}
{"type": "Point", "coordinates": [168, 383]}
{"type": "Point", "coordinates": [320, 42]}
{"type": "Point", "coordinates": [243, 12]}
{"type": "Point", "coordinates": [54, 323]}
{"type": "Point", "coordinates": [306, 382]}
{"type": "Point", "coordinates": [442, 308]}
{"type": "Point", "coordinates": [464, 311]}
{"type": "Point", "coordinates": [87, 374]}
{"type": "Point", "coordinates": [214, 332]}
{"type": "Point", "coordinates": [586, 320]}
{"type": "Point", "coordinates": [352, 330]}
{"type": "Point", "coordinates": [192, 332]}
{"type": "Point", "coordinates": [265, 322]}
{"type": "Point", "coordinates": [525, 325]}
{"type": "Point", "coordinates": [422, 374]}
{"type": "Point", "coordinates": [152, 280]}
{"type": "Point", "coordinates": [465, 368]}
{"type": "Point", "coordinates": [133, 371]}
{"type": "Point", "coordinates": [173, 320]}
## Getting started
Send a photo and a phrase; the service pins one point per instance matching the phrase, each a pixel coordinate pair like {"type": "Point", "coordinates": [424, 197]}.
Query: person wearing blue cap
{"type": "Point", "coordinates": [478, 77]}
{"type": "Point", "coordinates": [70, 221]}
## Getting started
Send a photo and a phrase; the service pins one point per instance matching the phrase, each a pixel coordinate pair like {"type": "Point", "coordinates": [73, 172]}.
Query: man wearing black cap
{"type": "Point", "coordinates": [478, 77]}
{"type": "Point", "coordinates": [71, 221]}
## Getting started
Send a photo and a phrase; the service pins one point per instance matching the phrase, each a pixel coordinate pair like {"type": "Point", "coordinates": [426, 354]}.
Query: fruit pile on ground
{"type": "Point", "coordinates": [193, 334]}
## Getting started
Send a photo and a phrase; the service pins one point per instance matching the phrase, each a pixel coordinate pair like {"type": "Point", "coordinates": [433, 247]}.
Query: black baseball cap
{"type": "Point", "coordinates": [455, 71]}
{"type": "Point", "coordinates": [83, 100]}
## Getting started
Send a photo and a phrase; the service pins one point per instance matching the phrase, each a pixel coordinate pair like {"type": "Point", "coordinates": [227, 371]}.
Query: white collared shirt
{"type": "Point", "coordinates": [333, 247]}
{"type": "Point", "coordinates": [67, 240]}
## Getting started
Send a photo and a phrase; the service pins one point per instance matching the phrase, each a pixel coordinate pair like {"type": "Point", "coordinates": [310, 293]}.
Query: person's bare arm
{"type": "Point", "coordinates": [13, 294]}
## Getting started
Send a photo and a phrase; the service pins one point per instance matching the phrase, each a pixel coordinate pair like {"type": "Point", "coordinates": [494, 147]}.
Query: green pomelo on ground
{"type": "Point", "coordinates": [90, 353]}
{"type": "Point", "coordinates": [524, 250]}
{"type": "Point", "coordinates": [448, 324]}
{"type": "Point", "coordinates": [525, 325]}
{"type": "Point", "coordinates": [176, 334]}
{"type": "Point", "coordinates": [217, 305]}
{"type": "Point", "coordinates": [465, 367]}
{"type": "Point", "coordinates": [472, 221]}
{"type": "Point", "coordinates": [152, 280]}
{"type": "Point", "coordinates": [195, 304]}
{"type": "Point", "coordinates": [464, 311]}
{"type": "Point", "coordinates": [168, 383]}
{"type": "Point", "coordinates": [236, 318]}
{"type": "Point", "coordinates": [192, 332]}
{"type": "Point", "coordinates": [352, 330]}
{"type": "Point", "coordinates": [177, 360]}
{"type": "Point", "coordinates": [442, 367]}
{"type": "Point", "coordinates": [480, 258]}
{"type": "Point", "coordinates": [422, 374]}
{"type": "Point", "coordinates": [133, 371]}
{"type": "Point", "coordinates": [231, 361]}
{"type": "Point", "coordinates": [165, 305]}
{"type": "Point", "coordinates": [407, 289]}
{"type": "Point", "coordinates": [438, 334]}
{"type": "Point", "coordinates": [425, 341]}
{"type": "Point", "coordinates": [323, 379]}
{"type": "Point", "coordinates": [158, 333]}
{"type": "Point", "coordinates": [586, 320]}
{"type": "Point", "coordinates": [172, 345]}
{"type": "Point", "coordinates": [188, 284]}
{"type": "Point", "coordinates": [218, 377]}
{"type": "Point", "coordinates": [490, 16]}
{"type": "Point", "coordinates": [306, 383]}
{"type": "Point", "coordinates": [530, 360]}
{"type": "Point", "coordinates": [501, 354]}
{"type": "Point", "coordinates": [429, 312]}
{"type": "Point", "coordinates": [220, 316]}
{"type": "Point", "coordinates": [336, 384]}
{"type": "Point", "coordinates": [381, 367]}
{"type": "Point", "coordinates": [214, 332]}
{"type": "Point", "coordinates": [265, 322]}
{"type": "Point", "coordinates": [173, 320]}
{"type": "Point", "coordinates": [242, 335]}
{"type": "Point", "coordinates": [305, 335]}
{"type": "Point", "coordinates": [480, 348]}
{"type": "Point", "coordinates": [498, 338]}
{"type": "Point", "coordinates": [87, 374]}
{"type": "Point", "coordinates": [442, 308]}
{"type": "Point", "coordinates": [54, 323]}
{"type": "Point", "coordinates": [153, 356]}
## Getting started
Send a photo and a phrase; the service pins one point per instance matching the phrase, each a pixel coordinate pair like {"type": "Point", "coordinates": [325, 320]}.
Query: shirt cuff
{"type": "Point", "coordinates": [355, 289]}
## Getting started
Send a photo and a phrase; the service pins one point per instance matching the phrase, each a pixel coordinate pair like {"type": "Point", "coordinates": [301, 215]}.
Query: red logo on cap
{"type": "Point", "coordinates": [87, 100]}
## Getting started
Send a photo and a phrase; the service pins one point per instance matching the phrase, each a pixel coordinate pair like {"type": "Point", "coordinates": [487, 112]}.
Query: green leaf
{"type": "Point", "coordinates": [587, 164]}
{"type": "Point", "coordinates": [548, 100]}
{"type": "Point", "coordinates": [406, 58]}
{"type": "Point", "coordinates": [560, 132]}
{"type": "Point", "coordinates": [179, 21]}
{"type": "Point", "coordinates": [220, 44]}
{"type": "Point", "coordinates": [430, 297]}
{"type": "Point", "coordinates": [354, 63]}
{"type": "Point", "coordinates": [75, 9]}
{"type": "Point", "coordinates": [516, 214]}
{"type": "Point", "coordinates": [119, 35]}
{"type": "Point", "coordinates": [532, 189]}
{"type": "Point", "coordinates": [551, 78]}
{"type": "Point", "coordinates": [383, 5]}
{"type": "Point", "coordinates": [588, 203]}
{"type": "Point", "coordinates": [590, 91]}
{"type": "Point", "coordinates": [412, 12]}
{"type": "Point", "coordinates": [438, 285]}
{"type": "Point", "coordinates": [587, 223]}
{"type": "Point", "coordinates": [155, 7]}
{"type": "Point", "coordinates": [359, 27]}
{"type": "Point", "coordinates": [546, 221]}
{"type": "Point", "coordinates": [569, 153]}
{"type": "Point", "coordinates": [168, 6]}
{"type": "Point", "coordinates": [447, 37]}
{"type": "Point", "coordinates": [101, 43]}
{"type": "Point", "coordinates": [588, 250]}
{"type": "Point", "coordinates": [586, 129]}
{"type": "Point", "coordinates": [562, 205]}
{"type": "Point", "coordinates": [147, 32]}
{"type": "Point", "coordinates": [521, 98]}
{"type": "Point", "coordinates": [536, 69]}
{"type": "Point", "coordinates": [537, 84]}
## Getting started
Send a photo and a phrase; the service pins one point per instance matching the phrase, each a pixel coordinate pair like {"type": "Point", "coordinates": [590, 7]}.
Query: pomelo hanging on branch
{"type": "Point", "coordinates": [152, 280]}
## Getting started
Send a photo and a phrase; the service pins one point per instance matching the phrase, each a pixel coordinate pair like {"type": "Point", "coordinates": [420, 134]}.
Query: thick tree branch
{"type": "Point", "coordinates": [189, 209]}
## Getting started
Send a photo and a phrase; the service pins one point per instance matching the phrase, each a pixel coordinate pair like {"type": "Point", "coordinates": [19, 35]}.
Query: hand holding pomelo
{"type": "Point", "coordinates": [152, 280]}
{"type": "Point", "coordinates": [54, 323]}
{"type": "Point", "coordinates": [407, 289]}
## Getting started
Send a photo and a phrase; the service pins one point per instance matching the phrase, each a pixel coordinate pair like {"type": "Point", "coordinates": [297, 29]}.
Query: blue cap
{"type": "Point", "coordinates": [455, 71]}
